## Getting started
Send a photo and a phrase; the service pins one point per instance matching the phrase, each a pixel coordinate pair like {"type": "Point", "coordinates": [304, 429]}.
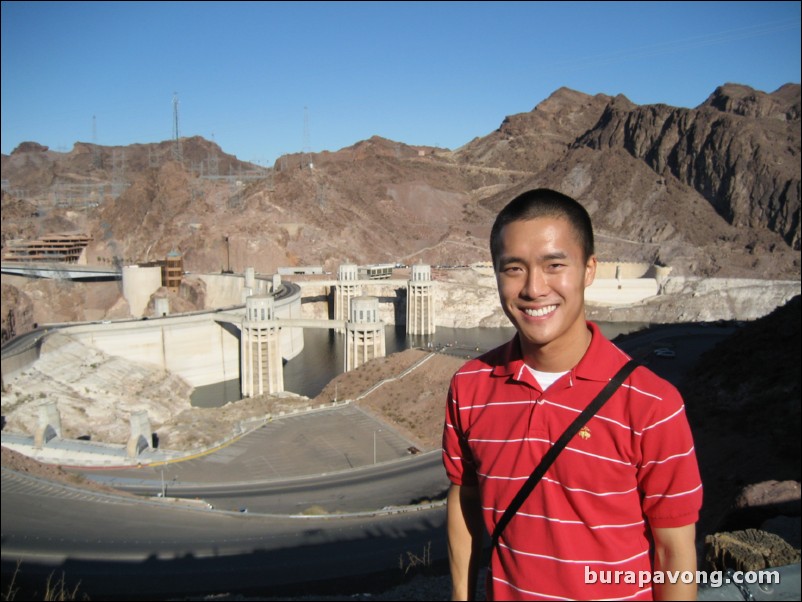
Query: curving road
{"type": "Point", "coordinates": [117, 545]}
{"type": "Point", "coordinates": [399, 483]}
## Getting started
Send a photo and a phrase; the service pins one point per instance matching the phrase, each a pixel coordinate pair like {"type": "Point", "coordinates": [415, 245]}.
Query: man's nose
{"type": "Point", "coordinates": [536, 284]}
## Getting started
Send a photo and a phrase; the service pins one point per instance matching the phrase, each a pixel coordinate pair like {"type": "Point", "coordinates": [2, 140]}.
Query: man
{"type": "Point", "coordinates": [621, 501]}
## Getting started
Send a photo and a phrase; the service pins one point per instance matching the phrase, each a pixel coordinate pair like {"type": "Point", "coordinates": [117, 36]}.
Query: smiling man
{"type": "Point", "coordinates": [622, 499]}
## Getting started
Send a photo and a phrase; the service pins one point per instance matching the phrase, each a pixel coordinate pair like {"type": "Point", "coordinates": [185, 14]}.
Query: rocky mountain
{"type": "Point", "coordinates": [35, 170]}
{"type": "Point", "coordinates": [739, 150]}
{"type": "Point", "coordinates": [710, 191]}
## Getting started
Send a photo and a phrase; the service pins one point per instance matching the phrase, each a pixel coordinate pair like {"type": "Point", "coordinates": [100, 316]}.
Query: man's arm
{"type": "Point", "coordinates": [465, 540]}
{"type": "Point", "coordinates": [675, 550]}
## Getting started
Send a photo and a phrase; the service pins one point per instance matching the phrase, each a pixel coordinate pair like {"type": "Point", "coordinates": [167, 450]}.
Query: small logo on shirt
{"type": "Point", "coordinates": [584, 432]}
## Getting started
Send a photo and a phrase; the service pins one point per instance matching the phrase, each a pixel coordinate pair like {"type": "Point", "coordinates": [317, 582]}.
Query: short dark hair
{"type": "Point", "coordinates": [543, 202]}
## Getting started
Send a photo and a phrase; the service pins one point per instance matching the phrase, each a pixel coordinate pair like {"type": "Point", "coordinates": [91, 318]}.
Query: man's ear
{"type": "Point", "coordinates": [590, 270]}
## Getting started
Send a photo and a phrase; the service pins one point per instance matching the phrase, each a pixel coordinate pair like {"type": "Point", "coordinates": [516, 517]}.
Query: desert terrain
{"type": "Point", "coordinates": [712, 192]}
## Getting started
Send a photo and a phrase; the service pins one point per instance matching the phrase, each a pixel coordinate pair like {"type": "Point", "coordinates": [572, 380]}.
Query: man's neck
{"type": "Point", "coordinates": [558, 356]}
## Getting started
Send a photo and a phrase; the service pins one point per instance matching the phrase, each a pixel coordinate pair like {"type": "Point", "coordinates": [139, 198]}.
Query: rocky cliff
{"type": "Point", "coordinates": [711, 191]}
{"type": "Point", "coordinates": [739, 150]}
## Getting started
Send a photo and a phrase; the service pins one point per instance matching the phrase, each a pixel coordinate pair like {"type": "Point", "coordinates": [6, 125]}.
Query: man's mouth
{"type": "Point", "coordinates": [540, 311]}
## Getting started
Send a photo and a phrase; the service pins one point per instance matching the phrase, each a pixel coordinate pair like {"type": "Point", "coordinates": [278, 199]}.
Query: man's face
{"type": "Point", "coordinates": [542, 276]}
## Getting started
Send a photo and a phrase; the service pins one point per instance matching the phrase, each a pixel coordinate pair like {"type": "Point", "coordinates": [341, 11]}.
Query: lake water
{"type": "Point", "coordinates": [322, 357]}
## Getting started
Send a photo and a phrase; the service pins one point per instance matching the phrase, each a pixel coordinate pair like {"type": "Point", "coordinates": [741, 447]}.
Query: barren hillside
{"type": "Point", "coordinates": [711, 191]}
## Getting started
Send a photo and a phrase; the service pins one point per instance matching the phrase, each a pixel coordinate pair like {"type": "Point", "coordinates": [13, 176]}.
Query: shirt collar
{"type": "Point", "coordinates": [598, 363]}
{"type": "Point", "coordinates": [601, 360]}
{"type": "Point", "coordinates": [511, 364]}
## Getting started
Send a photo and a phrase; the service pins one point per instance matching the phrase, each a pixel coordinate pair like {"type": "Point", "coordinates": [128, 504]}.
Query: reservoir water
{"type": "Point", "coordinates": [322, 357]}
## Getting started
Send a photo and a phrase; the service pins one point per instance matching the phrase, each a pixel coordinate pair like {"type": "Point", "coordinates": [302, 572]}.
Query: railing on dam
{"type": "Point", "coordinates": [236, 320]}
{"type": "Point", "coordinates": [59, 271]}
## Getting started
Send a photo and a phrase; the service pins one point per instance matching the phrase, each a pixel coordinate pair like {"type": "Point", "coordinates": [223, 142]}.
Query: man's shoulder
{"type": "Point", "coordinates": [648, 381]}
{"type": "Point", "coordinates": [607, 358]}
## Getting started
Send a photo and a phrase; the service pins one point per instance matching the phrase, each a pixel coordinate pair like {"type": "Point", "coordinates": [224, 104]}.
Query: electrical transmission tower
{"type": "Point", "coordinates": [178, 155]}
{"type": "Point", "coordinates": [117, 172]}
{"type": "Point", "coordinates": [96, 162]}
{"type": "Point", "coordinates": [307, 150]}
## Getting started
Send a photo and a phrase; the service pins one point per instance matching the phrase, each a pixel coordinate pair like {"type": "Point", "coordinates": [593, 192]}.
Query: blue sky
{"type": "Point", "coordinates": [250, 75]}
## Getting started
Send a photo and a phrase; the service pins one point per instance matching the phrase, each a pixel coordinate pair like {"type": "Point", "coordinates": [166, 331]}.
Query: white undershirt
{"type": "Point", "coordinates": [545, 379]}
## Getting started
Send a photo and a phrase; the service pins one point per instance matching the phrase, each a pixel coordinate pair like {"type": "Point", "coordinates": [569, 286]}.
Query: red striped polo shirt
{"type": "Point", "coordinates": [633, 466]}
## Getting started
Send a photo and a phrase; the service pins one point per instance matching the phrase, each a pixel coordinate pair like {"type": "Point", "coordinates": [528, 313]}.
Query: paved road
{"type": "Point", "coordinates": [117, 545]}
{"type": "Point", "coordinates": [321, 442]}
{"type": "Point", "coordinates": [396, 483]}
{"type": "Point", "coordinates": [112, 543]}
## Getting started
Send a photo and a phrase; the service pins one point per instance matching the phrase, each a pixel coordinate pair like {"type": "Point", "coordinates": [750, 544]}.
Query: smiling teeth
{"type": "Point", "coordinates": [537, 313]}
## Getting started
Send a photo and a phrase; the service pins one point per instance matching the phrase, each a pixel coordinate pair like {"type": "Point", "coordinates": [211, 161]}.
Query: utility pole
{"type": "Point", "coordinates": [95, 147]}
{"type": "Point", "coordinates": [178, 155]}
{"type": "Point", "coordinates": [307, 150]}
{"type": "Point", "coordinates": [228, 255]}
{"type": "Point", "coordinates": [374, 444]}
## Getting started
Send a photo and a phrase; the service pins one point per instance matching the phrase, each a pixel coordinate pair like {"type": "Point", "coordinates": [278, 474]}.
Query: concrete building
{"type": "Point", "coordinates": [300, 270]}
{"type": "Point", "coordinates": [376, 271]}
{"type": "Point", "coordinates": [364, 333]}
{"type": "Point", "coordinates": [141, 281]}
{"type": "Point", "coordinates": [261, 368]}
{"type": "Point", "coordinates": [347, 288]}
{"type": "Point", "coordinates": [173, 271]}
{"type": "Point", "coordinates": [420, 301]}
{"type": "Point", "coordinates": [67, 248]}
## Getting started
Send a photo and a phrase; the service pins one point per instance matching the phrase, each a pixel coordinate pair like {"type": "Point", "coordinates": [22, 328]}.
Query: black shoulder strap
{"type": "Point", "coordinates": [551, 455]}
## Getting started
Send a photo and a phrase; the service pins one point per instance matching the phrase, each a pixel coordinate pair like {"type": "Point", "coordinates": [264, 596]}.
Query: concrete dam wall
{"type": "Point", "coordinates": [203, 348]}
{"type": "Point", "coordinates": [195, 347]}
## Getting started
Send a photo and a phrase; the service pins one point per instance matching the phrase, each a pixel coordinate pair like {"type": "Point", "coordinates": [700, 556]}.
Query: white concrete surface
{"type": "Point", "coordinates": [624, 291]}
{"type": "Point", "coordinates": [139, 283]}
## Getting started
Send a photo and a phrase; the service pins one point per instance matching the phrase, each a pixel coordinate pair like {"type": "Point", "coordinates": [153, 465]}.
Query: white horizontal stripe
{"type": "Point", "coordinates": [669, 458]}
{"type": "Point", "coordinates": [569, 561]}
{"type": "Point", "coordinates": [599, 416]}
{"type": "Point", "coordinates": [498, 403]}
{"type": "Point", "coordinates": [651, 426]}
{"type": "Point", "coordinates": [529, 439]}
{"type": "Point", "coordinates": [605, 458]}
{"type": "Point", "coordinates": [643, 592]}
{"type": "Point", "coordinates": [499, 478]}
{"type": "Point", "coordinates": [680, 494]}
{"type": "Point", "coordinates": [474, 371]}
{"type": "Point", "coordinates": [568, 448]}
{"type": "Point", "coordinates": [596, 493]}
{"type": "Point", "coordinates": [567, 522]}
{"type": "Point", "coordinates": [558, 484]}
{"type": "Point", "coordinates": [657, 397]}
{"type": "Point", "coordinates": [569, 409]}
